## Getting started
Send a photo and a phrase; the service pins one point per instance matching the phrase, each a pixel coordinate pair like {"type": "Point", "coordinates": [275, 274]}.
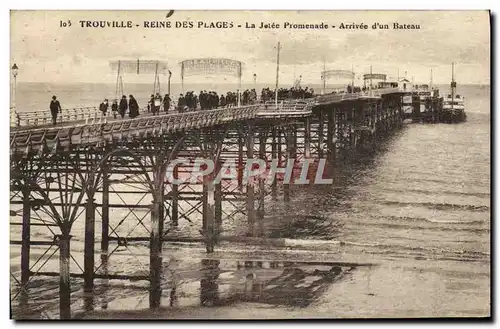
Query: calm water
{"type": "Point", "coordinates": [404, 233]}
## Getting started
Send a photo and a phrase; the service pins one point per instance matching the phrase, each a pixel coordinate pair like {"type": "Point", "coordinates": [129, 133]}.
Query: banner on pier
{"type": "Point", "coordinates": [374, 76]}
{"type": "Point", "coordinates": [337, 74]}
{"type": "Point", "coordinates": [139, 66]}
{"type": "Point", "coordinates": [211, 66]}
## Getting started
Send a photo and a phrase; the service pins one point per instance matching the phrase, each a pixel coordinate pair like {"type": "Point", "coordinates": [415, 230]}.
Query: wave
{"type": "Point", "coordinates": [445, 192]}
{"type": "Point", "coordinates": [437, 206]}
{"type": "Point", "coordinates": [432, 228]}
{"type": "Point", "coordinates": [393, 247]}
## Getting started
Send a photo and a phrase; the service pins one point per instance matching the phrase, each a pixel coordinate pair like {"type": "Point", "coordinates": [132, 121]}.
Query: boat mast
{"type": "Point", "coordinates": [371, 72]}
{"type": "Point", "coordinates": [431, 80]}
{"type": "Point", "coordinates": [453, 84]}
{"type": "Point", "coordinates": [352, 77]}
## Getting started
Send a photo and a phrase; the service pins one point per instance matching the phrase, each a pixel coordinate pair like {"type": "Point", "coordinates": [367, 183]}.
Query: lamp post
{"type": "Point", "coordinates": [15, 71]}
{"type": "Point", "coordinates": [254, 81]}
{"type": "Point", "coordinates": [169, 77]}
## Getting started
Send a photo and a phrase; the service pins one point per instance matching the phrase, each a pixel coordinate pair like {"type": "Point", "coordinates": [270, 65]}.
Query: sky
{"type": "Point", "coordinates": [46, 52]}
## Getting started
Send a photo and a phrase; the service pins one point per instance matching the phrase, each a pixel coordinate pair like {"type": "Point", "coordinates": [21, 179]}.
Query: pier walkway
{"type": "Point", "coordinates": [104, 181]}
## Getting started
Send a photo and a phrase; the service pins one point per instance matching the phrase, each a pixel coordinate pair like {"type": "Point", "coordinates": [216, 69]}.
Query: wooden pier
{"type": "Point", "coordinates": [109, 178]}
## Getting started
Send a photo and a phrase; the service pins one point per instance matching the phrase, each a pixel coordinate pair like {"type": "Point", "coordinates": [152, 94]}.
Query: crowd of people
{"type": "Point", "coordinates": [210, 100]}
{"type": "Point", "coordinates": [205, 100]}
{"type": "Point", "coordinates": [120, 108]}
{"type": "Point", "coordinates": [286, 93]}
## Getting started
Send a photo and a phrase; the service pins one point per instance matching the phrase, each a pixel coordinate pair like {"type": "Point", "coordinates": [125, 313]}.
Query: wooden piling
{"type": "Point", "coordinates": [89, 245]}
{"type": "Point", "coordinates": [218, 207]}
{"type": "Point", "coordinates": [26, 236]}
{"type": "Point", "coordinates": [105, 213]}
{"type": "Point", "coordinates": [250, 187]}
{"type": "Point", "coordinates": [209, 212]}
{"type": "Point", "coordinates": [174, 211]}
{"type": "Point", "coordinates": [288, 152]}
{"type": "Point", "coordinates": [321, 133]}
{"type": "Point", "coordinates": [240, 161]}
{"type": "Point", "coordinates": [64, 273]}
{"type": "Point", "coordinates": [280, 145]}
{"type": "Point", "coordinates": [262, 187]}
{"type": "Point", "coordinates": [307, 138]}
{"type": "Point", "coordinates": [274, 157]}
{"type": "Point", "coordinates": [330, 135]}
{"type": "Point", "coordinates": [209, 288]}
{"type": "Point", "coordinates": [155, 249]}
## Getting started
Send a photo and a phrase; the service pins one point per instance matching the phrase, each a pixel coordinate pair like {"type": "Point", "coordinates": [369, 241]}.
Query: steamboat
{"type": "Point", "coordinates": [453, 104]}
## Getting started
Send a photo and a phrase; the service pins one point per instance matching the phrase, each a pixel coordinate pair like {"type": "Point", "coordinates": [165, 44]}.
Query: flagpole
{"type": "Point", "coordinates": [156, 76]}
{"type": "Point", "coordinates": [239, 88]}
{"type": "Point", "coordinates": [324, 76]}
{"type": "Point", "coordinates": [118, 80]}
{"type": "Point", "coordinates": [352, 77]}
{"type": "Point", "coordinates": [169, 76]}
{"type": "Point", "coordinates": [277, 76]}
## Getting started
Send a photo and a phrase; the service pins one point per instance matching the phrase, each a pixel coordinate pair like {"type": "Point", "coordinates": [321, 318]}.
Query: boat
{"type": "Point", "coordinates": [453, 104]}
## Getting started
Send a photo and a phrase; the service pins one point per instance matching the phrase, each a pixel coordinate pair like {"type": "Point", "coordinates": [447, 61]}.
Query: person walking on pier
{"type": "Point", "coordinates": [103, 107]}
{"type": "Point", "coordinates": [133, 107]}
{"type": "Point", "coordinates": [181, 103]}
{"type": "Point", "coordinates": [114, 108]}
{"type": "Point", "coordinates": [166, 103]}
{"type": "Point", "coordinates": [150, 103]}
{"type": "Point", "coordinates": [55, 107]}
{"type": "Point", "coordinates": [122, 108]}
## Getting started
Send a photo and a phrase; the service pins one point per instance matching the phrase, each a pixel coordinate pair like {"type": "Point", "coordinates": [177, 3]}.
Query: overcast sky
{"type": "Point", "coordinates": [46, 52]}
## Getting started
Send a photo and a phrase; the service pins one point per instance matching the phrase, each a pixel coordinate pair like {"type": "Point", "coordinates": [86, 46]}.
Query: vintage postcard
{"type": "Point", "coordinates": [172, 164]}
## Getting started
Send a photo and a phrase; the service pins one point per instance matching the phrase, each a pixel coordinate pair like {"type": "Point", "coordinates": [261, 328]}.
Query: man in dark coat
{"type": "Point", "coordinates": [181, 103]}
{"type": "Point", "coordinates": [166, 103]}
{"type": "Point", "coordinates": [122, 108]}
{"type": "Point", "coordinates": [133, 107]}
{"type": "Point", "coordinates": [103, 107]}
{"type": "Point", "coordinates": [55, 107]}
{"type": "Point", "coordinates": [114, 108]}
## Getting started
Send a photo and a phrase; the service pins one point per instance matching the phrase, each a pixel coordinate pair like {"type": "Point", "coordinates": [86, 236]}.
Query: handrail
{"type": "Point", "coordinates": [299, 107]}
{"type": "Point", "coordinates": [372, 93]}
{"type": "Point", "coordinates": [44, 117]}
{"type": "Point", "coordinates": [41, 138]}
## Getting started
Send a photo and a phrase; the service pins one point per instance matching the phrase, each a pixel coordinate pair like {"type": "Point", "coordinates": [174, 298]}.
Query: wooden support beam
{"type": "Point", "coordinates": [320, 133]}
{"type": "Point", "coordinates": [89, 245]}
{"type": "Point", "coordinates": [307, 138]}
{"type": "Point", "coordinates": [218, 207]}
{"type": "Point", "coordinates": [64, 273]}
{"type": "Point", "coordinates": [262, 187]}
{"type": "Point", "coordinates": [105, 213]}
{"type": "Point", "coordinates": [174, 211]}
{"type": "Point", "coordinates": [26, 237]}
{"type": "Point", "coordinates": [289, 148]}
{"type": "Point", "coordinates": [274, 157]}
{"type": "Point", "coordinates": [155, 249]}
{"type": "Point", "coordinates": [250, 187]}
{"type": "Point", "coordinates": [209, 212]}
{"type": "Point", "coordinates": [330, 135]}
{"type": "Point", "coordinates": [240, 161]}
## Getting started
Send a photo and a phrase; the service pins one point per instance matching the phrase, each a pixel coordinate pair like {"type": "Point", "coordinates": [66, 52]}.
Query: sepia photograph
{"type": "Point", "coordinates": [249, 164]}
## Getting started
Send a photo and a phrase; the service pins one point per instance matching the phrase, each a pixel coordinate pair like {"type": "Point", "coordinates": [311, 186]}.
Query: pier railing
{"type": "Point", "coordinates": [90, 114]}
{"type": "Point", "coordinates": [372, 93]}
{"type": "Point", "coordinates": [301, 107]}
{"type": "Point", "coordinates": [50, 137]}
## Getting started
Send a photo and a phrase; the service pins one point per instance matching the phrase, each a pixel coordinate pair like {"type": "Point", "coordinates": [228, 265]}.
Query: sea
{"type": "Point", "coordinates": [404, 232]}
